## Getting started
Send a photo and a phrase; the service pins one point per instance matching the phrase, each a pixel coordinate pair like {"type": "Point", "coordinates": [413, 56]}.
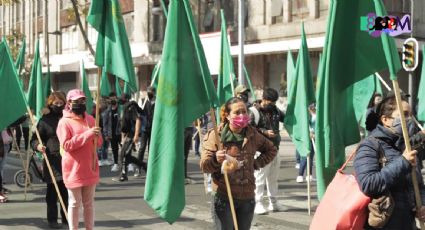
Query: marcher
{"type": "Point", "coordinates": [238, 142]}
{"type": "Point", "coordinates": [76, 132]}
{"type": "Point", "coordinates": [5, 145]}
{"type": "Point", "coordinates": [112, 128]}
{"type": "Point", "coordinates": [371, 118]}
{"type": "Point", "coordinates": [385, 144]}
{"type": "Point", "coordinates": [243, 93]}
{"type": "Point", "coordinates": [130, 129]}
{"type": "Point", "coordinates": [188, 133]}
{"type": "Point", "coordinates": [265, 116]}
{"type": "Point", "coordinates": [47, 126]}
{"type": "Point", "coordinates": [303, 160]}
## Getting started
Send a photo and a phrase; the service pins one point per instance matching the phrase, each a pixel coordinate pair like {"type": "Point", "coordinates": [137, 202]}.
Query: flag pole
{"type": "Point", "coordinates": [48, 165]}
{"type": "Point", "coordinates": [308, 181]}
{"type": "Point", "coordinates": [382, 81]}
{"type": "Point", "coordinates": [417, 123]}
{"type": "Point", "coordinates": [408, 147]}
{"type": "Point", "coordinates": [226, 179]}
{"type": "Point", "coordinates": [94, 157]}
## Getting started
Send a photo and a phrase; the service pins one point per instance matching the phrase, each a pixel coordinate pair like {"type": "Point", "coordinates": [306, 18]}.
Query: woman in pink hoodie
{"type": "Point", "coordinates": [76, 132]}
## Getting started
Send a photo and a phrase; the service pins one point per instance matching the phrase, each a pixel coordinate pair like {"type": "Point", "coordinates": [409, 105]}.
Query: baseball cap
{"type": "Point", "coordinates": [75, 94]}
{"type": "Point", "coordinates": [241, 89]}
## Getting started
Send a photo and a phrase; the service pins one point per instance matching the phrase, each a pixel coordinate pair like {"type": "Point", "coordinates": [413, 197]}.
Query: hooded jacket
{"type": "Point", "coordinates": [77, 145]}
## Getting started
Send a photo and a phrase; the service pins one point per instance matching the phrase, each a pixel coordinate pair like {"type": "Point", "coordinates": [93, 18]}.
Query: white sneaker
{"type": "Point", "coordinates": [108, 162]}
{"type": "Point", "coordinates": [137, 173]}
{"type": "Point", "coordinates": [101, 163]}
{"type": "Point", "coordinates": [130, 168]}
{"type": "Point", "coordinates": [311, 178]}
{"type": "Point", "coordinates": [297, 165]}
{"type": "Point", "coordinates": [115, 168]}
{"type": "Point", "coordinates": [276, 207]}
{"type": "Point", "coordinates": [260, 209]}
{"type": "Point", "coordinates": [300, 179]}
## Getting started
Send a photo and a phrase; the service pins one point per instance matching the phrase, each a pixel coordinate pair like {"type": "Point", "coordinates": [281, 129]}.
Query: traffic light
{"type": "Point", "coordinates": [410, 54]}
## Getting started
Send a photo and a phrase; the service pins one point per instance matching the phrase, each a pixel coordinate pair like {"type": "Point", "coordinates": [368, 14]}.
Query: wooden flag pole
{"type": "Point", "coordinates": [48, 165]}
{"type": "Point", "coordinates": [408, 147]}
{"type": "Point", "coordinates": [309, 174]}
{"type": "Point", "coordinates": [226, 179]}
{"type": "Point", "coordinates": [94, 158]}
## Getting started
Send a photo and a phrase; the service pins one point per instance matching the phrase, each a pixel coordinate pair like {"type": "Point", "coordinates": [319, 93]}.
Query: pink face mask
{"type": "Point", "coordinates": [240, 121]}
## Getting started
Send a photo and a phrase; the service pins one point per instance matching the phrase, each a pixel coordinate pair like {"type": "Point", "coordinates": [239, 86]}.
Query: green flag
{"type": "Point", "coordinates": [85, 88]}
{"type": "Point", "coordinates": [363, 55]}
{"type": "Point", "coordinates": [118, 89]}
{"type": "Point", "coordinates": [290, 69]}
{"type": "Point", "coordinates": [248, 80]}
{"type": "Point", "coordinates": [363, 91]}
{"type": "Point", "coordinates": [226, 75]}
{"type": "Point", "coordinates": [13, 100]}
{"type": "Point", "coordinates": [421, 91]}
{"type": "Point", "coordinates": [378, 85]}
{"type": "Point", "coordinates": [155, 73]}
{"type": "Point", "coordinates": [127, 89]}
{"type": "Point", "coordinates": [20, 60]}
{"type": "Point", "coordinates": [105, 87]}
{"type": "Point", "coordinates": [302, 95]}
{"type": "Point", "coordinates": [113, 49]}
{"type": "Point", "coordinates": [185, 92]}
{"type": "Point", "coordinates": [47, 84]}
{"type": "Point", "coordinates": [35, 96]}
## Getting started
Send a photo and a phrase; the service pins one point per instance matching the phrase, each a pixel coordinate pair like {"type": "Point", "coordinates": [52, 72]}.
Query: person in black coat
{"type": "Point", "coordinates": [395, 177]}
{"type": "Point", "coordinates": [47, 128]}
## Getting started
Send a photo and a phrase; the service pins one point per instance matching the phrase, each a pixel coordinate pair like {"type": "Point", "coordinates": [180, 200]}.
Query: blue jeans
{"type": "Point", "coordinates": [222, 215]}
{"type": "Point", "coordinates": [102, 152]}
{"type": "Point", "coordinates": [297, 156]}
{"type": "Point", "coordinates": [303, 163]}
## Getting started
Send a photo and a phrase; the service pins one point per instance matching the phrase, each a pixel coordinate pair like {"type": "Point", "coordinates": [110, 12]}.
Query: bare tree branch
{"type": "Point", "coordinates": [80, 25]}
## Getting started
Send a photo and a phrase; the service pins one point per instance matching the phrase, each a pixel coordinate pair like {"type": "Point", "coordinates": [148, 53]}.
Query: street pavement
{"type": "Point", "coordinates": [120, 205]}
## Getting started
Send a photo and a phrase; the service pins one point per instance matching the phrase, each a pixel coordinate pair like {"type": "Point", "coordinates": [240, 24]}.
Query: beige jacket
{"type": "Point", "coordinates": [242, 181]}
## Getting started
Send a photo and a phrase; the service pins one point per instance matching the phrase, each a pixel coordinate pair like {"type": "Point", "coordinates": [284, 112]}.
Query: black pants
{"type": "Point", "coordinates": [222, 214]}
{"type": "Point", "coordinates": [187, 146]}
{"type": "Point", "coordinates": [128, 158]}
{"type": "Point", "coordinates": [145, 140]}
{"type": "Point", "coordinates": [52, 202]}
{"type": "Point", "coordinates": [115, 140]}
{"type": "Point", "coordinates": [19, 135]}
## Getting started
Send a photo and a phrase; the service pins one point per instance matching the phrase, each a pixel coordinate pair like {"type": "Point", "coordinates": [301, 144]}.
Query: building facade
{"type": "Point", "coordinates": [272, 27]}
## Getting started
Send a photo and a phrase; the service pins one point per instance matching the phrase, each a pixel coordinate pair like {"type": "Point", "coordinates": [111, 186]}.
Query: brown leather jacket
{"type": "Point", "coordinates": [242, 181]}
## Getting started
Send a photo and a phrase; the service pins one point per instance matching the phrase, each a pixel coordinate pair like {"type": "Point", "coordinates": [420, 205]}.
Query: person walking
{"type": "Point", "coordinates": [112, 128]}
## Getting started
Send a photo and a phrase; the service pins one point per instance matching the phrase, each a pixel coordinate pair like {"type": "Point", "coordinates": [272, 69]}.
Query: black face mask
{"type": "Point", "coordinates": [113, 102]}
{"type": "Point", "coordinates": [150, 96]}
{"type": "Point", "coordinates": [269, 108]}
{"type": "Point", "coordinates": [56, 109]}
{"type": "Point", "coordinates": [78, 109]}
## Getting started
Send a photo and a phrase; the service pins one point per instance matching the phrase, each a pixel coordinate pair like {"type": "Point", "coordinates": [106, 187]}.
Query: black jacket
{"type": "Point", "coordinates": [47, 128]}
{"type": "Point", "coordinates": [394, 177]}
{"type": "Point", "coordinates": [268, 120]}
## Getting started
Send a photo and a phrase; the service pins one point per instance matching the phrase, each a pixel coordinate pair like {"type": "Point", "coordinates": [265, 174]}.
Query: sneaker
{"type": "Point", "coordinates": [115, 168]}
{"type": "Point", "coordinates": [297, 165]}
{"type": "Point", "coordinates": [300, 179]}
{"type": "Point", "coordinates": [276, 207]}
{"type": "Point", "coordinates": [55, 225]}
{"type": "Point", "coordinates": [130, 168]}
{"type": "Point", "coordinates": [101, 163]}
{"type": "Point", "coordinates": [311, 178]}
{"type": "Point", "coordinates": [137, 172]}
{"type": "Point", "coordinates": [122, 178]}
{"type": "Point", "coordinates": [108, 162]}
{"type": "Point", "coordinates": [260, 209]}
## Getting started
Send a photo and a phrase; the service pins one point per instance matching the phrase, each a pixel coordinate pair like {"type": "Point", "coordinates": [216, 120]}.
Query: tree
{"type": "Point", "coordinates": [75, 6]}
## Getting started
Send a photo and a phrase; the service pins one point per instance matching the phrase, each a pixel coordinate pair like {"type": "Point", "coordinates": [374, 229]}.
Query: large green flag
{"type": "Point", "coordinates": [336, 124]}
{"type": "Point", "coordinates": [47, 84]}
{"type": "Point", "coordinates": [301, 96]}
{"type": "Point", "coordinates": [105, 87]}
{"type": "Point", "coordinates": [185, 92]}
{"type": "Point", "coordinates": [363, 91]}
{"type": "Point", "coordinates": [113, 49]}
{"type": "Point", "coordinates": [226, 75]}
{"type": "Point", "coordinates": [378, 85]}
{"type": "Point", "coordinates": [20, 60]}
{"type": "Point", "coordinates": [248, 80]}
{"type": "Point", "coordinates": [35, 96]}
{"type": "Point", "coordinates": [127, 89]}
{"type": "Point", "coordinates": [421, 91]}
{"type": "Point", "coordinates": [13, 102]}
{"type": "Point", "coordinates": [290, 69]}
{"type": "Point", "coordinates": [118, 89]}
{"type": "Point", "coordinates": [154, 76]}
{"type": "Point", "coordinates": [85, 88]}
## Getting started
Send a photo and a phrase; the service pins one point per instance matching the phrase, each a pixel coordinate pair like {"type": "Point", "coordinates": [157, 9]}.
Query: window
{"type": "Point", "coordinates": [40, 4]}
{"type": "Point", "coordinates": [69, 39]}
{"type": "Point", "coordinates": [299, 9]}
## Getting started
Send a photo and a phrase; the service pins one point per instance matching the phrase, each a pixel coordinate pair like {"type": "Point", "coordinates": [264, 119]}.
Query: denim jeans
{"type": "Point", "coordinates": [303, 163]}
{"type": "Point", "coordinates": [222, 215]}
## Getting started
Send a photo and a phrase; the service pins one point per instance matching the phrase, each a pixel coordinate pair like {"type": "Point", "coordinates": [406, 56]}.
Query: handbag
{"type": "Point", "coordinates": [381, 208]}
{"type": "Point", "coordinates": [343, 206]}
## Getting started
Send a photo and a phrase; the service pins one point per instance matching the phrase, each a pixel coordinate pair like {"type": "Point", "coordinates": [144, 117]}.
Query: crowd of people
{"type": "Point", "coordinates": [247, 139]}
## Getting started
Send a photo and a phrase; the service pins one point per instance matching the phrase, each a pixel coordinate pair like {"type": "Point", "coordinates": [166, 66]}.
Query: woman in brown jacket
{"type": "Point", "coordinates": [237, 143]}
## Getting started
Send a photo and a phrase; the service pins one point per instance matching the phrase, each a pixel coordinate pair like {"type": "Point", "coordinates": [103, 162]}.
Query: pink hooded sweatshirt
{"type": "Point", "coordinates": [77, 146]}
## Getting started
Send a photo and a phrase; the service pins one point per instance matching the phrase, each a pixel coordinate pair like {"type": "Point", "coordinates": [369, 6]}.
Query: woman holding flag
{"type": "Point", "coordinates": [236, 142]}
{"type": "Point", "coordinates": [77, 132]}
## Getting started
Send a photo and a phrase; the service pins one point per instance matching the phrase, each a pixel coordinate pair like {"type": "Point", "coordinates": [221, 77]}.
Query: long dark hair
{"type": "Point", "coordinates": [372, 100]}
{"type": "Point", "coordinates": [225, 110]}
